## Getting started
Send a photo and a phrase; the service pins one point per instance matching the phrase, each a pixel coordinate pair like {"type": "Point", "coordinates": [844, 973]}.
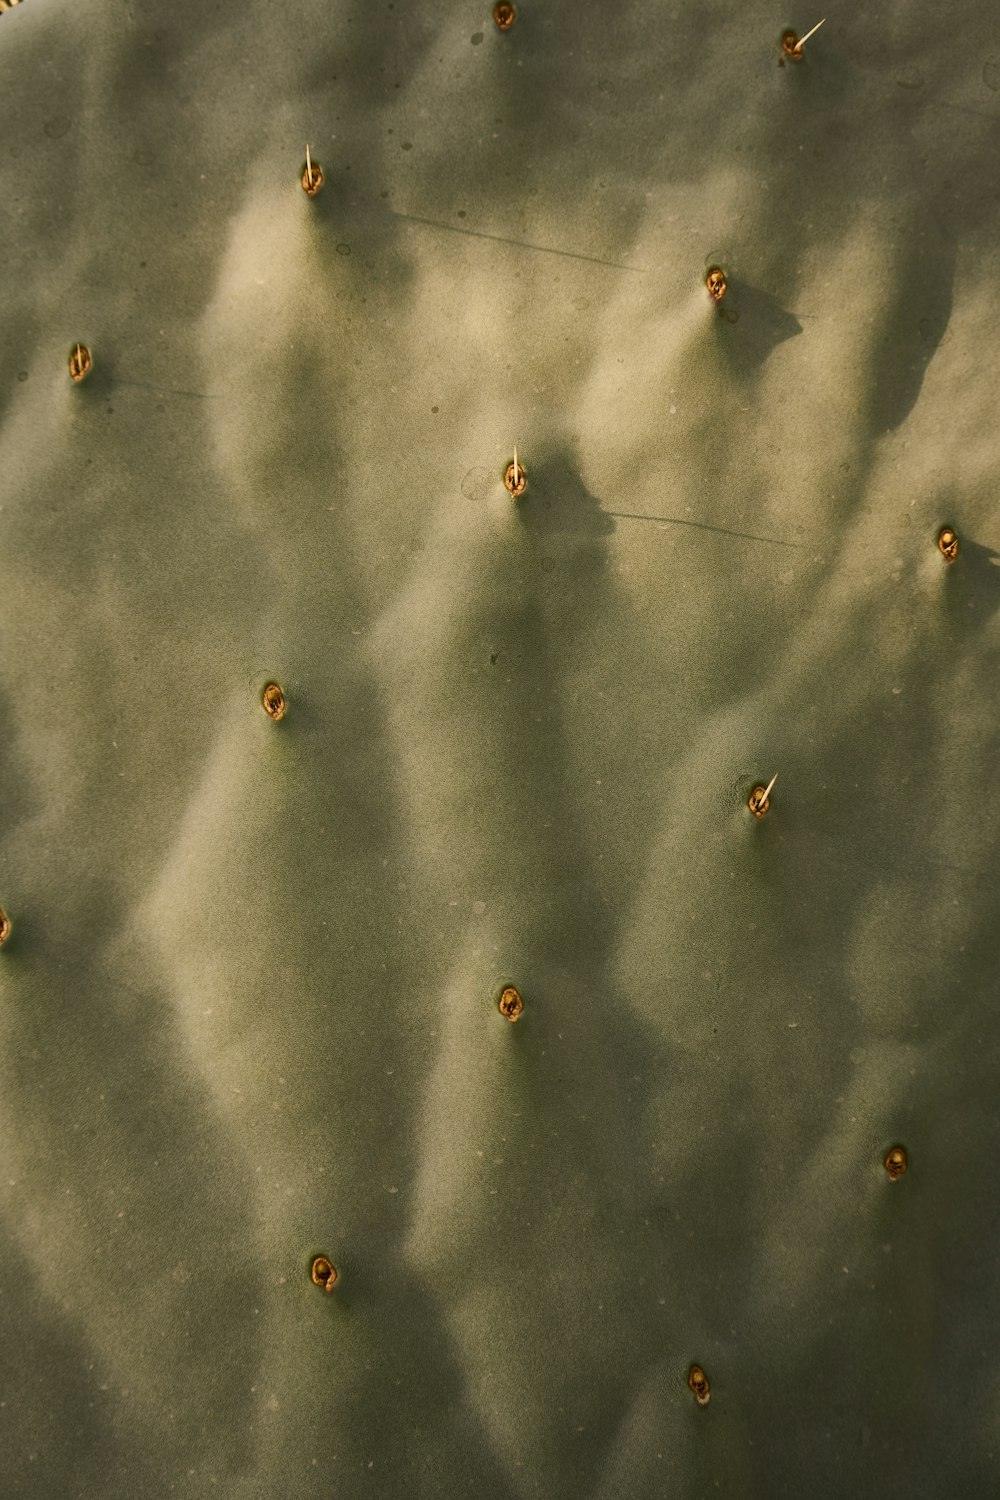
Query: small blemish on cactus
{"type": "Point", "coordinates": [896, 1163]}
{"type": "Point", "coordinates": [504, 15]}
{"type": "Point", "coordinates": [759, 800]}
{"type": "Point", "coordinates": [511, 1004]}
{"type": "Point", "coordinates": [312, 175]}
{"type": "Point", "coordinates": [4, 927]}
{"type": "Point", "coordinates": [514, 477]}
{"type": "Point", "coordinates": [716, 283]}
{"type": "Point", "coordinates": [698, 1383]}
{"type": "Point", "coordinates": [80, 363]}
{"type": "Point", "coordinates": [273, 700]}
{"type": "Point", "coordinates": [947, 544]}
{"type": "Point", "coordinates": [324, 1273]}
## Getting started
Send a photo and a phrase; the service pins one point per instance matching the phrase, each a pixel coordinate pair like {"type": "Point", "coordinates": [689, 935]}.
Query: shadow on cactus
{"type": "Point", "coordinates": [917, 311]}
{"type": "Point", "coordinates": [558, 501]}
{"type": "Point", "coordinates": [752, 323]}
{"type": "Point", "coordinates": [972, 586]}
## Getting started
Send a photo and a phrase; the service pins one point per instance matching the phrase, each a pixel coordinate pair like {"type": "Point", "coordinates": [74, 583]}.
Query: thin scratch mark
{"type": "Point", "coordinates": [480, 234]}
{"type": "Point", "coordinates": [746, 536]}
{"type": "Point", "coordinates": [167, 390]}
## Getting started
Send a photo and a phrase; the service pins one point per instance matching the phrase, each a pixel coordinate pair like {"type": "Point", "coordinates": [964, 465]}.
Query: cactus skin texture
{"type": "Point", "coordinates": [250, 996]}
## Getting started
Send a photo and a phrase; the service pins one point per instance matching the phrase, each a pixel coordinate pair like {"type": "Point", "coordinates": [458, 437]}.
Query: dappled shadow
{"type": "Point", "coordinates": [557, 502]}
{"type": "Point", "coordinates": [859, 829]}
{"type": "Point", "coordinates": [481, 790]}
{"type": "Point", "coordinates": [560, 1104]}
{"type": "Point", "coordinates": [751, 324]}
{"type": "Point", "coordinates": [917, 308]}
{"type": "Point", "coordinates": [120, 1130]}
{"type": "Point", "coordinates": [972, 585]}
{"type": "Point", "coordinates": [53, 1384]}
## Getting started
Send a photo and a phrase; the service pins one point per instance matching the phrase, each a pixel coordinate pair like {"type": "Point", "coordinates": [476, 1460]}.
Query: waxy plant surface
{"type": "Point", "coordinates": [249, 998]}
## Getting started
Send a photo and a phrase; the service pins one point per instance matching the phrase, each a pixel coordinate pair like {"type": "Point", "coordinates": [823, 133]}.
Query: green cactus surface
{"type": "Point", "coordinates": [293, 1206]}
